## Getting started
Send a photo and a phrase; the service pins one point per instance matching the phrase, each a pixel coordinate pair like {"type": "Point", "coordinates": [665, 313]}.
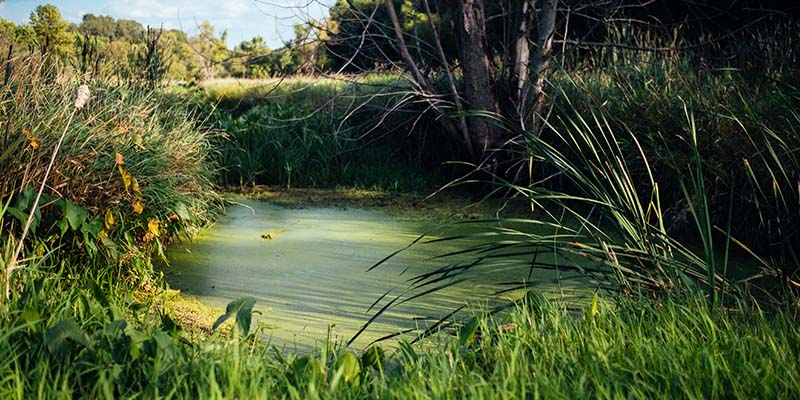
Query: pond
{"type": "Point", "coordinates": [307, 269]}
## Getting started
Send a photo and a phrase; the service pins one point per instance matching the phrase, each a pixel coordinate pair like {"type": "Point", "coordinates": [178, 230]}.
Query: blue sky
{"type": "Point", "coordinates": [271, 19]}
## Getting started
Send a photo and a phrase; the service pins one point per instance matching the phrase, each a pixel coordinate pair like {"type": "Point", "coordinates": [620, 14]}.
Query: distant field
{"type": "Point", "coordinates": [309, 91]}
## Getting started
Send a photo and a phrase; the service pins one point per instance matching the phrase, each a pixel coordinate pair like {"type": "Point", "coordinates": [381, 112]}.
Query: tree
{"type": "Point", "coordinates": [130, 30]}
{"type": "Point", "coordinates": [100, 25]}
{"type": "Point", "coordinates": [465, 43]}
{"type": "Point", "coordinates": [210, 51]}
{"type": "Point", "coordinates": [50, 28]}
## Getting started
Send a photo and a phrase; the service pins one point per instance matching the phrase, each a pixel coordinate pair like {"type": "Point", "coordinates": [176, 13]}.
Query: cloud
{"type": "Point", "coordinates": [172, 9]}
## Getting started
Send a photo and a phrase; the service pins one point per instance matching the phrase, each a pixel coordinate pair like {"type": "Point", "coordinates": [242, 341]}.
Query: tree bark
{"type": "Point", "coordinates": [478, 78]}
{"type": "Point", "coordinates": [541, 57]}
{"type": "Point", "coordinates": [521, 63]}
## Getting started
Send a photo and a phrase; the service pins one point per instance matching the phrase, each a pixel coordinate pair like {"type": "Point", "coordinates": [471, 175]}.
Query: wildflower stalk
{"type": "Point", "coordinates": [80, 101]}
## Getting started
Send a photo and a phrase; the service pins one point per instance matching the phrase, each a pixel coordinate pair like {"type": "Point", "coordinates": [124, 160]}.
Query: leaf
{"type": "Point", "coordinates": [30, 315]}
{"type": "Point", "coordinates": [18, 214]}
{"type": "Point", "coordinates": [306, 367]}
{"type": "Point", "coordinates": [169, 325]}
{"type": "Point", "coordinates": [408, 351]}
{"type": "Point", "coordinates": [182, 212]}
{"type": "Point", "coordinates": [127, 178]}
{"type": "Point", "coordinates": [109, 219]}
{"type": "Point", "coordinates": [163, 340]}
{"type": "Point", "coordinates": [92, 227]}
{"type": "Point", "coordinates": [152, 228]}
{"type": "Point", "coordinates": [119, 159]}
{"type": "Point", "coordinates": [63, 331]}
{"type": "Point", "coordinates": [347, 365]}
{"type": "Point", "coordinates": [135, 186]}
{"type": "Point", "coordinates": [467, 332]}
{"type": "Point", "coordinates": [243, 309]}
{"type": "Point", "coordinates": [373, 357]}
{"type": "Point", "coordinates": [74, 214]}
{"type": "Point", "coordinates": [138, 207]}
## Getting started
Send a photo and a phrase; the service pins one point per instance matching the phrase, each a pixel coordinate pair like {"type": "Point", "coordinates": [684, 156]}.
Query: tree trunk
{"type": "Point", "coordinates": [541, 56]}
{"type": "Point", "coordinates": [521, 63]}
{"type": "Point", "coordinates": [478, 78]}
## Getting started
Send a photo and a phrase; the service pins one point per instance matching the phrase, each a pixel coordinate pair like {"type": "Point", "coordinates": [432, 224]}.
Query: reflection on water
{"type": "Point", "coordinates": [307, 269]}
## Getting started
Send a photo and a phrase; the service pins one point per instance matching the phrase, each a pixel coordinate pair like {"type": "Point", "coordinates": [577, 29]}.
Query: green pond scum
{"type": "Point", "coordinates": [310, 273]}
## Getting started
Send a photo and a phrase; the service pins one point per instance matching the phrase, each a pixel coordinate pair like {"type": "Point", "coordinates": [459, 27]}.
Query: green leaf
{"type": "Point", "coordinates": [30, 316]}
{"type": "Point", "coordinates": [306, 368]}
{"type": "Point", "coordinates": [243, 310]}
{"type": "Point", "coordinates": [182, 212]}
{"type": "Point", "coordinates": [408, 351]}
{"type": "Point", "coordinates": [63, 331]}
{"type": "Point", "coordinates": [74, 214]}
{"type": "Point", "coordinates": [373, 357]}
{"type": "Point", "coordinates": [92, 227]}
{"type": "Point", "coordinates": [347, 365]}
{"type": "Point", "coordinates": [169, 325]}
{"type": "Point", "coordinates": [467, 332]}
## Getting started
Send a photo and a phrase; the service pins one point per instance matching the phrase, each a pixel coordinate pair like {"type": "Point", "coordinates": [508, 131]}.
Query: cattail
{"type": "Point", "coordinates": [83, 96]}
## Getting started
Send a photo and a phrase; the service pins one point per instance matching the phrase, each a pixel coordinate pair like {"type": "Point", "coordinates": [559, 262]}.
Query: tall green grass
{"type": "Point", "coordinates": [132, 172]}
{"type": "Point", "coordinates": [62, 340]}
{"type": "Point", "coordinates": [324, 132]}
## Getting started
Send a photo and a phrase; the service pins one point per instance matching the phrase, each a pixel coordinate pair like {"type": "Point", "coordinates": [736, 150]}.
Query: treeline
{"type": "Point", "coordinates": [358, 36]}
{"type": "Point", "coordinates": [105, 46]}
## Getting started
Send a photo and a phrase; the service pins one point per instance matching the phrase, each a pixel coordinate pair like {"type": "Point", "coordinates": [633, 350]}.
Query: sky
{"type": "Point", "coordinates": [244, 19]}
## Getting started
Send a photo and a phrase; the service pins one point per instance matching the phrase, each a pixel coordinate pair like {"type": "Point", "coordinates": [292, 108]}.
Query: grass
{"type": "Point", "coordinates": [133, 170]}
{"type": "Point", "coordinates": [116, 347]}
{"type": "Point", "coordinates": [326, 132]}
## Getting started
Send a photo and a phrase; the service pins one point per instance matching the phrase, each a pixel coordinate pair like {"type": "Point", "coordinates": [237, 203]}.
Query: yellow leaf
{"type": "Point", "coordinates": [109, 219]}
{"type": "Point", "coordinates": [33, 142]}
{"type": "Point", "coordinates": [135, 185]}
{"type": "Point", "coordinates": [127, 178]}
{"type": "Point", "coordinates": [137, 140]}
{"type": "Point", "coordinates": [138, 207]}
{"type": "Point", "coordinates": [152, 227]}
{"type": "Point", "coordinates": [119, 159]}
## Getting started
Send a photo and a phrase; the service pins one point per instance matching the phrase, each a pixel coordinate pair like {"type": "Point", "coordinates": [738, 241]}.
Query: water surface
{"type": "Point", "coordinates": [307, 268]}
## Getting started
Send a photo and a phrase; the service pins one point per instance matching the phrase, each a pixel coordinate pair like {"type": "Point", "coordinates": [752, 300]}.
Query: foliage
{"type": "Point", "coordinates": [62, 339]}
{"type": "Point", "coordinates": [313, 132]}
{"type": "Point", "coordinates": [737, 129]}
{"type": "Point", "coordinates": [50, 28]}
{"type": "Point", "coordinates": [133, 172]}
